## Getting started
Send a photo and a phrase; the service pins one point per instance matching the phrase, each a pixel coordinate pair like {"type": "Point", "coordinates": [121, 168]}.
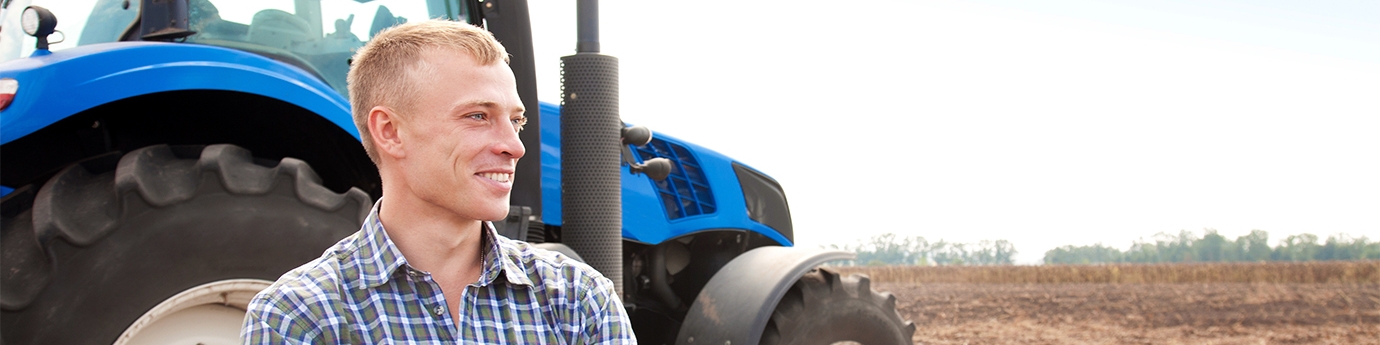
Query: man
{"type": "Point", "coordinates": [438, 112]}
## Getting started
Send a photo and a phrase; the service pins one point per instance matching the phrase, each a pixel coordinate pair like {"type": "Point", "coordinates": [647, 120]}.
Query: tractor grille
{"type": "Point", "coordinates": [685, 192]}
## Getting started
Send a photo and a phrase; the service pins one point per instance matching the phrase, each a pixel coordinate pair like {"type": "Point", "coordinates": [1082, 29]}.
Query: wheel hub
{"type": "Point", "coordinates": [210, 314]}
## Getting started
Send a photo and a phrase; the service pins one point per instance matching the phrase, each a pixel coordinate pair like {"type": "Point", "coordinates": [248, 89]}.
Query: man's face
{"type": "Point", "coordinates": [460, 134]}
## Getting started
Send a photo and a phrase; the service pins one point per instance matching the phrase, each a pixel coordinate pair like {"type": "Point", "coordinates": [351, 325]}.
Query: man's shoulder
{"type": "Point", "coordinates": [574, 292]}
{"type": "Point", "coordinates": [318, 281]}
{"type": "Point", "coordinates": [305, 303]}
{"type": "Point", "coordinates": [547, 267]}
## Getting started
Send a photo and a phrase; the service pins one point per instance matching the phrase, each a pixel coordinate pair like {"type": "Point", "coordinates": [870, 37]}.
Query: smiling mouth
{"type": "Point", "coordinates": [500, 177]}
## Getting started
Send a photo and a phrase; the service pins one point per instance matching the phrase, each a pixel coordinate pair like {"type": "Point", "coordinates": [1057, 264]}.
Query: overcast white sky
{"type": "Point", "coordinates": [1043, 123]}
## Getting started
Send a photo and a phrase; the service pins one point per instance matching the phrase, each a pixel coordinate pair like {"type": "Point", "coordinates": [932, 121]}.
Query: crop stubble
{"type": "Point", "coordinates": [1138, 313]}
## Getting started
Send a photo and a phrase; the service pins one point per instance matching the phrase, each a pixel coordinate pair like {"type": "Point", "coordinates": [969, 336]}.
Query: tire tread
{"type": "Point", "coordinates": [815, 292]}
{"type": "Point", "coordinates": [82, 203]}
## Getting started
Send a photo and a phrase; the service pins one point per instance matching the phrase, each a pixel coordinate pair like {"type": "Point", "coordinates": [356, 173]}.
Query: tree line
{"type": "Point", "coordinates": [1213, 247]}
{"type": "Point", "coordinates": [890, 249]}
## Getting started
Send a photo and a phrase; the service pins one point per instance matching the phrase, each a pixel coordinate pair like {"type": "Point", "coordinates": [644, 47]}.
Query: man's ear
{"type": "Point", "coordinates": [383, 129]}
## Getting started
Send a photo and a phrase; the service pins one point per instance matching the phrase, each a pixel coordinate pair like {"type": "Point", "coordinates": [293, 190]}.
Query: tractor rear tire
{"type": "Point", "coordinates": [823, 308]}
{"type": "Point", "coordinates": [108, 239]}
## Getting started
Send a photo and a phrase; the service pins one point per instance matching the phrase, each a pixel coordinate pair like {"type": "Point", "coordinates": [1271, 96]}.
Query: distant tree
{"type": "Point", "coordinates": [1213, 247]}
{"type": "Point", "coordinates": [1181, 247]}
{"type": "Point", "coordinates": [1166, 248]}
{"type": "Point", "coordinates": [1143, 252]}
{"type": "Point", "coordinates": [1344, 247]}
{"type": "Point", "coordinates": [891, 249]}
{"type": "Point", "coordinates": [1254, 246]}
{"type": "Point", "coordinates": [946, 253]}
{"type": "Point", "coordinates": [1301, 247]}
{"type": "Point", "coordinates": [999, 252]}
{"type": "Point", "coordinates": [1094, 254]}
{"type": "Point", "coordinates": [1004, 253]}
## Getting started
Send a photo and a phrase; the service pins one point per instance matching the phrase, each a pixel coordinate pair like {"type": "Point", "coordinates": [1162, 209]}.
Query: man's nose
{"type": "Point", "coordinates": [509, 144]}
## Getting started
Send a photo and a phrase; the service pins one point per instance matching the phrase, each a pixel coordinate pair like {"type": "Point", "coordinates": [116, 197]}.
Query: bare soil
{"type": "Point", "coordinates": [1206, 313]}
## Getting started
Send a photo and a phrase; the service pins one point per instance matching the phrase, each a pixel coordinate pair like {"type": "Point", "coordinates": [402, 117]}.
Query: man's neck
{"type": "Point", "coordinates": [433, 239]}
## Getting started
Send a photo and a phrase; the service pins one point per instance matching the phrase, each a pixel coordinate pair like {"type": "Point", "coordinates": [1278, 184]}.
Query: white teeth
{"type": "Point", "coordinates": [500, 177]}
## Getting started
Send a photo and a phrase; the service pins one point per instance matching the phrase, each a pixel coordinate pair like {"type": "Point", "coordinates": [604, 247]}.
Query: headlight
{"type": "Point", "coordinates": [38, 21]}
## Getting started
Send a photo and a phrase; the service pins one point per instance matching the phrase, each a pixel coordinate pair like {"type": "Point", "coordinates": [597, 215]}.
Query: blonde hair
{"type": "Point", "coordinates": [385, 71]}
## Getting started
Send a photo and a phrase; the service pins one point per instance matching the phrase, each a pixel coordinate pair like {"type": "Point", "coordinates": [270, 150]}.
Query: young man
{"type": "Point", "coordinates": [438, 112]}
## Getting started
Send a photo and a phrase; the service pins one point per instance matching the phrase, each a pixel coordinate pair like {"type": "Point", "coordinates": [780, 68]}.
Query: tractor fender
{"type": "Point", "coordinates": [734, 307]}
{"type": "Point", "coordinates": [55, 86]}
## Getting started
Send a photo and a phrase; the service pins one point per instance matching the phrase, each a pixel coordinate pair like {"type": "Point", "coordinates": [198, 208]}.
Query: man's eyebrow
{"type": "Point", "coordinates": [488, 104]}
{"type": "Point", "coordinates": [477, 103]}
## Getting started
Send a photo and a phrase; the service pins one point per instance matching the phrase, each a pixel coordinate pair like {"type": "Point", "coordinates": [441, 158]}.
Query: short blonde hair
{"type": "Point", "coordinates": [385, 70]}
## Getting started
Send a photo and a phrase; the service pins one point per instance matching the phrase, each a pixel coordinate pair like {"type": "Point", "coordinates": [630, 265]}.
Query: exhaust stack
{"type": "Point", "coordinates": [590, 147]}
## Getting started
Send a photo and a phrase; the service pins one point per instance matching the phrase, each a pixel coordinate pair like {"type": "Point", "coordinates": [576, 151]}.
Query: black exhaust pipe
{"type": "Point", "coordinates": [590, 139]}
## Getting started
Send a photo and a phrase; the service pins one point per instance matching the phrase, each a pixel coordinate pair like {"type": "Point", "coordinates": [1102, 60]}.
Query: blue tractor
{"type": "Point", "coordinates": [164, 160]}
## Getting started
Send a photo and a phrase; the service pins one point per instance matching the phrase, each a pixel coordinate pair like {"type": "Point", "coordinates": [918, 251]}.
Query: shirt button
{"type": "Point", "coordinates": [440, 310]}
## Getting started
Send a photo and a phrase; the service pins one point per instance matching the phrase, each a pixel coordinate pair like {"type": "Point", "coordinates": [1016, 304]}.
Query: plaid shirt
{"type": "Point", "coordinates": [362, 291]}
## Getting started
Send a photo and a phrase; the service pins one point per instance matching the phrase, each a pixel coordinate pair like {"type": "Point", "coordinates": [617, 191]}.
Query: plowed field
{"type": "Point", "coordinates": [1143, 313]}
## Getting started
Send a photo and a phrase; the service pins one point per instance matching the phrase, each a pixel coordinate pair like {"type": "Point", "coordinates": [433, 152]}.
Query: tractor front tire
{"type": "Point", "coordinates": [823, 308]}
{"type": "Point", "coordinates": [115, 239]}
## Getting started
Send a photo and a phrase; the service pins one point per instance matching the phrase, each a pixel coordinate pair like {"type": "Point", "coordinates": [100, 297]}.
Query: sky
{"type": "Point", "coordinates": [1042, 123]}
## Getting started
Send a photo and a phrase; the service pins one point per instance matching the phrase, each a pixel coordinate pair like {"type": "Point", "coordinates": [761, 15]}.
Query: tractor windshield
{"type": "Point", "coordinates": [319, 36]}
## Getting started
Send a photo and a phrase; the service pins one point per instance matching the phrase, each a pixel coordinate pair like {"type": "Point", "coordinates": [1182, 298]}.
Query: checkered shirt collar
{"type": "Point", "coordinates": [377, 259]}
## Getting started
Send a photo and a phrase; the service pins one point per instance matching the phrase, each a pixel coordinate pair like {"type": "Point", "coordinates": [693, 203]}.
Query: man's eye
{"type": "Point", "coordinates": [476, 116]}
{"type": "Point", "coordinates": [518, 123]}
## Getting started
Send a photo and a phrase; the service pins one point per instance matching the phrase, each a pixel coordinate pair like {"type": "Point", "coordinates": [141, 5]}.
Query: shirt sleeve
{"type": "Point", "coordinates": [606, 321]}
{"type": "Point", "coordinates": [267, 323]}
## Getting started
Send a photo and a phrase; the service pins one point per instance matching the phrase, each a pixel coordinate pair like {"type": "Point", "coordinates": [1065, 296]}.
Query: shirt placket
{"type": "Point", "coordinates": [442, 324]}
{"type": "Point", "coordinates": [469, 304]}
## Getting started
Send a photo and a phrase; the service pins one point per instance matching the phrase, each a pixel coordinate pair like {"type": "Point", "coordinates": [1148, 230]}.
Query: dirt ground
{"type": "Point", "coordinates": [1214, 313]}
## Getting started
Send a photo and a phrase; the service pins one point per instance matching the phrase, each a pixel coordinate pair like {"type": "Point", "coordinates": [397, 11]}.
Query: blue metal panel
{"type": "Point", "coordinates": [102, 73]}
{"type": "Point", "coordinates": [550, 163]}
{"type": "Point", "coordinates": [644, 214]}
{"type": "Point", "coordinates": [685, 191]}
{"type": "Point", "coordinates": [58, 85]}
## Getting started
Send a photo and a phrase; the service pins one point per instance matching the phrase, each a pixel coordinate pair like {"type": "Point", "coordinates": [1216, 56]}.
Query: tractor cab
{"type": "Point", "coordinates": [318, 36]}
{"type": "Point", "coordinates": [135, 131]}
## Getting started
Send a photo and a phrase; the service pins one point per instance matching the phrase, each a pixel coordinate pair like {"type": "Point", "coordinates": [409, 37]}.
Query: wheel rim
{"type": "Point", "coordinates": [208, 314]}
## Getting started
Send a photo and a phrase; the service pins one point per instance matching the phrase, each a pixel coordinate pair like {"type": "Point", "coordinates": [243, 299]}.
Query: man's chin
{"type": "Point", "coordinates": [495, 212]}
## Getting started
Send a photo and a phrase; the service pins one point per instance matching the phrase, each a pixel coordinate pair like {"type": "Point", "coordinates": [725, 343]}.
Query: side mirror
{"type": "Point", "coordinates": [164, 20]}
